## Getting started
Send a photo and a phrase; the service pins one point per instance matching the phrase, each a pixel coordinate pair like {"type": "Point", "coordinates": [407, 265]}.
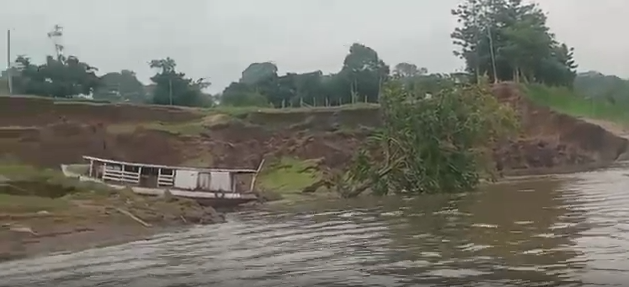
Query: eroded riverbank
{"type": "Point", "coordinates": [42, 211]}
{"type": "Point", "coordinates": [566, 230]}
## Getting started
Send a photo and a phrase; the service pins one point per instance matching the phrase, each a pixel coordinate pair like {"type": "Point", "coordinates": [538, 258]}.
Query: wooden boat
{"type": "Point", "coordinates": [209, 186]}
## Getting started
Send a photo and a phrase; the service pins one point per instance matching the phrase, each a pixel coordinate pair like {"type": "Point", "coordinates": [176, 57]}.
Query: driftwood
{"type": "Point", "coordinates": [22, 229]}
{"type": "Point", "coordinates": [132, 216]}
{"type": "Point", "coordinates": [336, 181]}
{"type": "Point", "coordinates": [255, 176]}
{"type": "Point", "coordinates": [357, 190]}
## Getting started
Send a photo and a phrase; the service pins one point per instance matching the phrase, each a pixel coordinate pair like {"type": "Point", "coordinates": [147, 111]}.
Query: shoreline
{"type": "Point", "coordinates": [19, 244]}
{"type": "Point", "coordinates": [24, 245]}
{"type": "Point", "coordinates": [25, 236]}
{"type": "Point", "coordinates": [35, 220]}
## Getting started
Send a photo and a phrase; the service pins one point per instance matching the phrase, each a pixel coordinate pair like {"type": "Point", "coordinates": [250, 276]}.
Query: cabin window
{"type": "Point", "coordinates": [132, 168]}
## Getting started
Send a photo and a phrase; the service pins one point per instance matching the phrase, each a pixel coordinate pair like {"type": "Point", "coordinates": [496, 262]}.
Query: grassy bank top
{"type": "Point", "coordinates": [561, 99]}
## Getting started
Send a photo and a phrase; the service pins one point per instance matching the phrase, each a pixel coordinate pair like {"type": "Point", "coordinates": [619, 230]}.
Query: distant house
{"type": "Point", "coordinates": [460, 77]}
{"type": "Point", "coordinates": [86, 97]}
{"type": "Point", "coordinates": [149, 89]}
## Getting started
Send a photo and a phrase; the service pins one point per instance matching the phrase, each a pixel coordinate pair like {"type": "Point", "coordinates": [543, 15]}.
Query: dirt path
{"type": "Point", "coordinates": [615, 128]}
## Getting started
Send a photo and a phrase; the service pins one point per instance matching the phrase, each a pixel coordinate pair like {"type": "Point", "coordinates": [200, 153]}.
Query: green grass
{"type": "Point", "coordinates": [37, 185]}
{"type": "Point", "coordinates": [288, 175]}
{"type": "Point", "coordinates": [568, 102]}
{"type": "Point", "coordinates": [282, 183]}
{"type": "Point", "coordinates": [17, 171]}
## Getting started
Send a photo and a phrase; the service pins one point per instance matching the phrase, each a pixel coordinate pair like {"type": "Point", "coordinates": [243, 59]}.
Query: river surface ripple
{"type": "Point", "coordinates": [570, 230]}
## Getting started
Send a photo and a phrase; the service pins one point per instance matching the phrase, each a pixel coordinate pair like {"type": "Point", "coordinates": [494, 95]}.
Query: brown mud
{"type": "Point", "coordinates": [45, 133]}
{"type": "Point", "coordinates": [46, 214]}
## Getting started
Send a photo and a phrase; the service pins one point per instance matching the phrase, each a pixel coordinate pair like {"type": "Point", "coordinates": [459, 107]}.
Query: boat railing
{"type": "Point", "coordinates": [164, 179]}
{"type": "Point", "coordinates": [121, 176]}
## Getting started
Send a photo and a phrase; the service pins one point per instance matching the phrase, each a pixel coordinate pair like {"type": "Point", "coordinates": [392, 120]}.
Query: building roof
{"type": "Point", "coordinates": [91, 158]}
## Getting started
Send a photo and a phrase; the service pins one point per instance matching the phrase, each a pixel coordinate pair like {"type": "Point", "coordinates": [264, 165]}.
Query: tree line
{"type": "Point", "coordinates": [510, 40]}
{"type": "Point", "coordinates": [507, 40]}
{"type": "Point", "coordinates": [66, 77]}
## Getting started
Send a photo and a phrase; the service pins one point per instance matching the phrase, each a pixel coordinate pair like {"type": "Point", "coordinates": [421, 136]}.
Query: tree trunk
{"type": "Point", "coordinates": [356, 191]}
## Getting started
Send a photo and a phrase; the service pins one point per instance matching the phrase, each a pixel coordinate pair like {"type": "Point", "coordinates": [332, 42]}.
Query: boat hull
{"type": "Point", "coordinates": [206, 198]}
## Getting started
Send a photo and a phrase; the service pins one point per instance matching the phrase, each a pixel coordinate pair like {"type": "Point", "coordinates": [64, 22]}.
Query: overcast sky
{"type": "Point", "coordinates": [219, 38]}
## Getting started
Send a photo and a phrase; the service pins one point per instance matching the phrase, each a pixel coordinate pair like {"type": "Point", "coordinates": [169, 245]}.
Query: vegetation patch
{"type": "Point", "coordinates": [25, 189]}
{"type": "Point", "coordinates": [440, 144]}
{"type": "Point", "coordinates": [565, 100]}
{"type": "Point", "coordinates": [288, 175]}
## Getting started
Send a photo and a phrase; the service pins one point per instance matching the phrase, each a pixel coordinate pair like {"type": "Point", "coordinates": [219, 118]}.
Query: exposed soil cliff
{"type": "Point", "coordinates": [551, 141]}
{"type": "Point", "coordinates": [44, 133]}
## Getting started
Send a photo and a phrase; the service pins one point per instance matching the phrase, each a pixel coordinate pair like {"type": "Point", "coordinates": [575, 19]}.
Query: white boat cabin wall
{"type": "Point", "coordinates": [171, 177]}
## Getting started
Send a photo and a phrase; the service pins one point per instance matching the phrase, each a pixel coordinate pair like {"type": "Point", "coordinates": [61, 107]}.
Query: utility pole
{"type": "Point", "coordinates": [476, 40]}
{"type": "Point", "coordinates": [170, 90]}
{"type": "Point", "coordinates": [493, 56]}
{"type": "Point", "coordinates": [487, 23]}
{"type": "Point", "coordinates": [9, 66]}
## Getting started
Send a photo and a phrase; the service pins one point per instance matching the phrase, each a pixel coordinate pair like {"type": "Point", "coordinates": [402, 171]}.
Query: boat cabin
{"type": "Point", "coordinates": [171, 177]}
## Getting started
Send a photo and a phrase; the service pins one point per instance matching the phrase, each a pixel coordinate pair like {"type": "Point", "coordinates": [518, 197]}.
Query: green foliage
{"type": "Point", "coordinates": [406, 70]}
{"type": "Point", "coordinates": [359, 80]}
{"type": "Point", "coordinates": [364, 71]}
{"type": "Point", "coordinates": [569, 102]}
{"type": "Point", "coordinates": [432, 83]}
{"type": "Point", "coordinates": [61, 77]}
{"type": "Point", "coordinates": [258, 72]}
{"type": "Point", "coordinates": [173, 88]}
{"type": "Point", "coordinates": [516, 37]}
{"type": "Point", "coordinates": [601, 87]}
{"type": "Point", "coordinates": [121, 86]}
{"type": "Point", "coordinates": [437, 144]}
{"type": "Point", "coordinates": [242, 95]}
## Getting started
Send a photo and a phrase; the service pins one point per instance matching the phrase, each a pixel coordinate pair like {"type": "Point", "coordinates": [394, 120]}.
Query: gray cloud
{"type": "Point", "coordinates": [219, 38]}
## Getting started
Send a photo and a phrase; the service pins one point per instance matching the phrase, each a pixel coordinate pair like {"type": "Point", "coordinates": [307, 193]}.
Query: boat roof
{"type": "Point", "coordinates": [91, 158]}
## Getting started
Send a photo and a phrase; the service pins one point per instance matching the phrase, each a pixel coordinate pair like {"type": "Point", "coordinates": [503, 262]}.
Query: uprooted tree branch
{"type": "Point", "coordinates": [428, 144]}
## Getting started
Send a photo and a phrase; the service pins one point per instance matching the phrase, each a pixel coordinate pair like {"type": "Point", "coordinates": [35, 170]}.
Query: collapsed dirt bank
{"type": "Point", "coordinates": [551, 141]}
{"type": "Point", "coordinates": [41, 132]}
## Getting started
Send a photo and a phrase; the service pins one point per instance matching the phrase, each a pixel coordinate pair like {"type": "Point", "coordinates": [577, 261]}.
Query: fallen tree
{"type": "Point", "coordinates": [431, 144]}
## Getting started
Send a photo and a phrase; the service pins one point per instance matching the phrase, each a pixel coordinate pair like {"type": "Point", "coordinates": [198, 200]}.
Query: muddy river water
{"type": "Point", "coordinates": [569, 230]}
